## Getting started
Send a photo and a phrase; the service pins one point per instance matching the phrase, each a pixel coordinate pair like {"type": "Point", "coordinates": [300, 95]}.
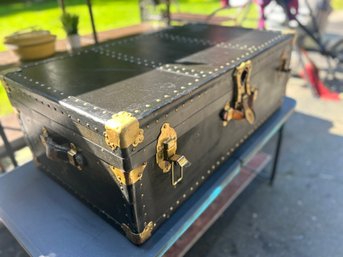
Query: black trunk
{"type": "Point", "coordinates": [112, 122]}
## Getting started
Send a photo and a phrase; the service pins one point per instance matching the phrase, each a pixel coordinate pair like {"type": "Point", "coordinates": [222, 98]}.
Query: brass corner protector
{"type": "Point", "coordinates": [138, 238]}
{"type": "Point", "coordinates": [131, 177]}
{"type": "Point", "coordinates": [122, 130]}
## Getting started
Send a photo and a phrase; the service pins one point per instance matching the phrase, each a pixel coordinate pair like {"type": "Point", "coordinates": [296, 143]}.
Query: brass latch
{"type": "Point", "coordinates": [244, 96]}
{"type": "Point", "coordinates": [166, 156]}
{"type": "Point", "coordinates": [72, 154]}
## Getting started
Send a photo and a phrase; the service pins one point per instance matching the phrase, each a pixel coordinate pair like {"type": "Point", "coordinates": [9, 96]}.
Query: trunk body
{"type": "Point", "coordinates": [116, 124]}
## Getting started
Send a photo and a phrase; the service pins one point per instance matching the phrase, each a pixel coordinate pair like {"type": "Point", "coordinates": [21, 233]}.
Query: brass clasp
{"type": "Point", "coordinates": [244, 96]}
{"type": "Point", "coordinates": [72, 156]}
{"type": "Point", "coordinates": [166, 156]}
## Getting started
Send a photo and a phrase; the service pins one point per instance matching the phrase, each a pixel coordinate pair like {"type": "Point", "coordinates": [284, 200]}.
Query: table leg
{"type": "Point", "coordinates": [90, 10]}
{"type": "Point", "coordinates": [8, 147]}
{"type": "Point", "coordinates": [276, 156]}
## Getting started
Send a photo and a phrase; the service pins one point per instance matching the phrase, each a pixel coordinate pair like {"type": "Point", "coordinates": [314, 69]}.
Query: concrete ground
{"type": "Point", "coordinates": [302, 215]}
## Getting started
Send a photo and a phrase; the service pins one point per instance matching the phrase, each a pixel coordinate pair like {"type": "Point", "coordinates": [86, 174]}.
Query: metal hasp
{"type": "Point", "coordinates": [166, 156]}
{"type": "Point", "coordinates": [244, 95]}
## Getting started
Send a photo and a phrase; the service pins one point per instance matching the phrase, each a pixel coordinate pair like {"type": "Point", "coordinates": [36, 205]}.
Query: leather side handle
{"type": "Point", "coordinates": [62, 152]}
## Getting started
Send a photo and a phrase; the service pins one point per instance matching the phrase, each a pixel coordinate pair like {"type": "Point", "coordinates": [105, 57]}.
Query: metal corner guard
{"type": "Point", "coordinates": [122, 130]}
{"type": "Point", "coordinates": [138, 238]}
{"type": "Point", "coordinates": [131, 177]}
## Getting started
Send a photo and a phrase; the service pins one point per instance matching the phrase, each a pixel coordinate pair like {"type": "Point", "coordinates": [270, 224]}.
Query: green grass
{"type": "Point", "coordinates": [46, 15]}
{"type": "Point", "coordinates": [108, 14]}
{"type": "Point", "coordinates": [337, 4]}
{"type": "Point", "coordinates": [5, 105]}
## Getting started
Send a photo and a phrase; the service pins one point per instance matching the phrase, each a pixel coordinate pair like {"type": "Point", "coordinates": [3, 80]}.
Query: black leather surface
{"type": "Point", "coordinates": [83, 73]}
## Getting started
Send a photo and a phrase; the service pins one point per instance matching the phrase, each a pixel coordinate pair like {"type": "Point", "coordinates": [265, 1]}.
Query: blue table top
{"type": "Point", "coordinates": [48, 221]}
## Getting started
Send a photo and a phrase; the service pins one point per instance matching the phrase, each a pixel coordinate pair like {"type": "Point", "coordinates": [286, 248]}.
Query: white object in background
{"type": "Point", "coordinates": [238, 3]}
{"type": "Point", "coordinates": [73, 42]}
